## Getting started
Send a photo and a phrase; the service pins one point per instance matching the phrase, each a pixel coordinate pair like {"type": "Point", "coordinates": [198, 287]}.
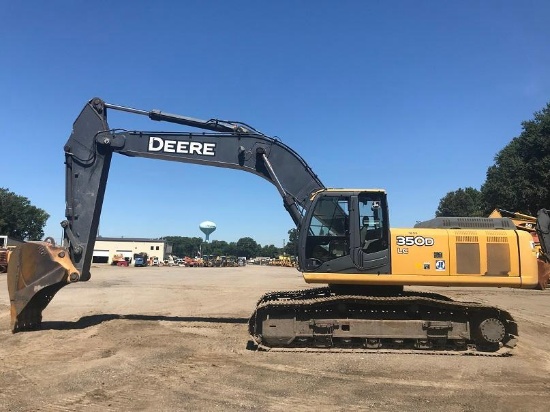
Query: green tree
{"type": "Point", "coordinates": [19, 219]}
{"type": "Point", "coordinates": [246, 246]}
{"type": "Point", "coordinates": [231, 249]}
{"type": "Point", "coordinates": [291, 247]}
{"type": "Point", "coordinates": [189, 246]}
{"type": "Point", "coordinates": [217, 248]}
{"type": "Point", "coordinates": [270, 251]}
{"type": "Point", "coordinates": [184, 246]}
{"type": "Point", "coordinates": [461, 202]}
{"type": "Point", "coordinates": [519, 178]}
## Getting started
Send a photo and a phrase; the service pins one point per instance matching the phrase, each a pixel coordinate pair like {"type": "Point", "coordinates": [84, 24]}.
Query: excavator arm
{"type": "Point", "coordinates": [232, 145]}
{"type": "Point", "coordinates": [38, 270]}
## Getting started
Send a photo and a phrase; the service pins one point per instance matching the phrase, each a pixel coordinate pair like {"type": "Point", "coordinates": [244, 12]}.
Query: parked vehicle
{"type": "Point", "coordinates": [120, 260]}
{"type": "Point", "coordinates": [140, 259]}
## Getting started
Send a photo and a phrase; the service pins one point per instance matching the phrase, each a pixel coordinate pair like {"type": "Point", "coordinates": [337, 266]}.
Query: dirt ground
{"type": "Point", "coordinates": [172, 339]}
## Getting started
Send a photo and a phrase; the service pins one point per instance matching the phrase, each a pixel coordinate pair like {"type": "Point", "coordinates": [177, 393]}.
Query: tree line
{"type": "Point", "coordinates": [246, 246]}
{"type": "Point", "coordinates": [518, 181]}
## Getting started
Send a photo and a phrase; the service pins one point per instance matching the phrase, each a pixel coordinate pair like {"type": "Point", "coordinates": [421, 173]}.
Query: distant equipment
{"type": "Point", "coordinates": [207, 227]}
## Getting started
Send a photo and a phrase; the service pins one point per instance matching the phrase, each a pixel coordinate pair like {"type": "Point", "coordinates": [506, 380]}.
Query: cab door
{"type": "Point", "coordinates": [324, 240]}
{"type": "Point", "coordinates": [370, 232]}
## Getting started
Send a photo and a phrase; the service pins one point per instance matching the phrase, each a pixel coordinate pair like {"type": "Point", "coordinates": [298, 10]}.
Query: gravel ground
{"type": "Point", "coordinates": [172, 339]}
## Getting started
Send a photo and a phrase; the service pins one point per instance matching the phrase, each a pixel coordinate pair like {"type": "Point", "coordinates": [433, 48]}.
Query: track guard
{"type": "Point", "coordinates": [36, 272]}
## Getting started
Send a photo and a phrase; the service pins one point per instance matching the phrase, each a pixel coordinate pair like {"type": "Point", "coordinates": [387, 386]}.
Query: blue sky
{"type": "Point", "coordinates": [415, 97]}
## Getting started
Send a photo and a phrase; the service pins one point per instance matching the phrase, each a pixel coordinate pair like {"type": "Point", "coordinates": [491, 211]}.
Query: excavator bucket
{"type": "Point", "coordinates": [36, 272]}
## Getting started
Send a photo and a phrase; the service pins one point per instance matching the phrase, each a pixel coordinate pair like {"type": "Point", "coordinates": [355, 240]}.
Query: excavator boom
{"type": "Point", "coordinates": [88, 154]}
{"type": "Point", "coordinates": [89, 150]}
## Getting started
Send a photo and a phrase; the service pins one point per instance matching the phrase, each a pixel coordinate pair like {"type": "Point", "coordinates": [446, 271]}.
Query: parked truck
{"type": "Point", "coordinates": [140, 259]}
{"type": "Point", "coordinates": [119, 260]}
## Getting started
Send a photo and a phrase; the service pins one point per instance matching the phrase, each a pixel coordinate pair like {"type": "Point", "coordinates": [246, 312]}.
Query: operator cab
{"type": "Point", "coordinates": [346, 231]}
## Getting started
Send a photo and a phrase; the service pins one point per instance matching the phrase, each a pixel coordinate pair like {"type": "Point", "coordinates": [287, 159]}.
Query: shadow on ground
{"type": "Point", "coordinates": [92, 320]}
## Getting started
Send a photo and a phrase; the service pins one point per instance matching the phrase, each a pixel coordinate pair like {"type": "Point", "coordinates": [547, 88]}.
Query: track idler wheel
{"type": "Point", "coordinates": [491, 331]}
{"type": "Point", "coordinates": [36, 272]}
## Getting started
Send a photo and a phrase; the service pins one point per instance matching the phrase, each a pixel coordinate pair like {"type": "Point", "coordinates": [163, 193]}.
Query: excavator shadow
{"type": "Point", "coordinates": [93, 320]}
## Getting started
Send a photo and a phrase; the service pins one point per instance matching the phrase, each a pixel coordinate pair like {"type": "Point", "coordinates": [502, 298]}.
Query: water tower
{"type": "Point", "coordinates": [207, 227]}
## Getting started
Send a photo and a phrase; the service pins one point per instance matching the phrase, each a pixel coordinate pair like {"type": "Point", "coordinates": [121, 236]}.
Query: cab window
{"type": "Point", "coordinates": [328, 234]}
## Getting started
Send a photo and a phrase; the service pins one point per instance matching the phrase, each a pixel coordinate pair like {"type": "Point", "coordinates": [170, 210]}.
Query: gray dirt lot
{"type": "Point", "coordinates": [170, 339]}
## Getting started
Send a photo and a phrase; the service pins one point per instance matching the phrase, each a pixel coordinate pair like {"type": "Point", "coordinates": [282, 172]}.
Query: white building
{"type": "Point", "coordinates": [107, 247]}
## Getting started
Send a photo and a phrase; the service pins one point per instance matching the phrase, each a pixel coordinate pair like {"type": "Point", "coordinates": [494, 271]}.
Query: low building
{"type": "Point", "coordinates": [107, 247]}
{"type": "Point", "coordinates": [8, 242]}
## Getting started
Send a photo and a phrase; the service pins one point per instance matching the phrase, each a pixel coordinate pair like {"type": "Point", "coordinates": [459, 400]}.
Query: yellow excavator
{"type": "Point", "coordinates": [345, 242]}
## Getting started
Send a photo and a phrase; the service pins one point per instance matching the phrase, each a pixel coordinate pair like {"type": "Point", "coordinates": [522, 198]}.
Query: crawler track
{"type": "Point", "coordinates": [409, 322]}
